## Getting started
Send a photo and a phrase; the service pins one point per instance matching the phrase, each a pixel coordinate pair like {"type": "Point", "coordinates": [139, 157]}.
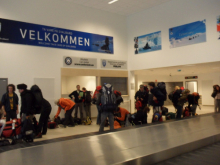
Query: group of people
{"type": "Point", "coordinates": [10, 108]}
{"type": "Point", "coordinates": [156, 95]}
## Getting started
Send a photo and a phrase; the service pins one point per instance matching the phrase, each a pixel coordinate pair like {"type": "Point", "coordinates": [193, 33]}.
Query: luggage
{"type": "Point", "coordinates": [51, 125]}
{"type": "Point", "coordinates": [157, 117]}
{"type": "Point", "coordinates": [117, 93]}
{"type": "Point", "coordinates": [146, 88]}
{"type": "Point", "coordinates": [170, 116]}
{"type": "Point", "coordinates": [162, 87]}
{"type": "Point", "coordinates": [77, 121]}
{"type": "Point", "coordinates": [138, 105]}
{"type": "Point", "coordinates": [119, 99]}
{"type": "Point", "coordinates": [12, 130]}
{"type": "Point", "coordinates": [57, 120]}
{"type": "Point", "coordinates": [116, 125]}
{"type": "Point", "coordinates": [170, 96]}
{"type": "Point", "coordinates": [87, 121]}
{"type": "Point", "coordinates": [108, 98]}
{"type": "Point", "coordinates": [164, 111]}
{"type": "Point", "coordinates": [186, 112]}
{"type": "Point", "coordinates": [27, 131]}
{"type": "Point", "coordinates": [38, 99]}
{"type": "Point", "coordinates": [4, 142]}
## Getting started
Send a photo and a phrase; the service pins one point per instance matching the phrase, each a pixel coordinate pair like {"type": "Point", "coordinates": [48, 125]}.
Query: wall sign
{"type": "Point", "coordinates": [188, 34]}
{"type": "Point", "coordinates": [147, 43]}
{"type": "Point", "coordinates": [46, 36]}
{"type": "Point", "coordinates": [191, 77]}
{"type": "Point", "coordinates": [113, 64]}
{"type": "Point", "coordinates": [77, 62]}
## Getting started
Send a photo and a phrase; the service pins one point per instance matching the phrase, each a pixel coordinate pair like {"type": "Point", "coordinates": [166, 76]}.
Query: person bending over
{"type": "Point", "coordinates": [180, 103]}
{"type": "Point", "coordinates": [45, 114]}
{"type": "Point", "coordinates": [68, 106]}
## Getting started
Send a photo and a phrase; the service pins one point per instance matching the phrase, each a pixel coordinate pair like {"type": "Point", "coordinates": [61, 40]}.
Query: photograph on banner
{"type": "Point", "coordinates": [46, 36]}
{"type": "Point", "coordinates": [147, 43]}
{"type": "Point", "coordinates": [218, 26]}
{"type": "Point", "coordinates": [188, 34]}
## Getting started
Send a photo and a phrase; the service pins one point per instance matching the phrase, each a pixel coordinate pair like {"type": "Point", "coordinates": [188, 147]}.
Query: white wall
{"type": "Point", "coordinates": [21, 64]}
{"type": "Point", "coordinates": [168, 15]}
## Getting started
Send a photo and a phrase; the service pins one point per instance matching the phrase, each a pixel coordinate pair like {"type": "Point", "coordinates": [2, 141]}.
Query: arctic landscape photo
{"type": "Point", "coordinates": [147, 43]}
{"type": "Point", "coordinates": [192, 33]}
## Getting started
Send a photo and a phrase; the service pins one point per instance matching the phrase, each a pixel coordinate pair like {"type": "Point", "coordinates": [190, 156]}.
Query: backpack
{"type": "Point", "coordinates": [157, 117]}
{"type": "Point", "coordinates": [38, 98]}
{"type": "Point", "coordinates": [186, 112]}
{"type": "Point", "coordinates": [170, 96]}
{"type": "Point", "coordinates": [164, 111]}
{"type": "Point", "coordinates": [196, 97]}
{"type": "Point", "coordinates": [108, 98]}
{"type": "Point", "coordinates": [117, 93]}
{"type": "Point", "coordinates": [87, 121]}
{"type": "Point", "coordinates": [146, 88]}
{"type": "Point", "coordinates": [138, 105]}
{"type": "Point", "coordinates": [162, 87]}
{"type": "Point", "coordinates": [170, 115]}
{"type": "Point", "coordinates": [88, 98]}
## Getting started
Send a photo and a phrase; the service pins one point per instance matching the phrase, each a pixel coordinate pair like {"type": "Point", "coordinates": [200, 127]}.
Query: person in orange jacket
{"type": "Point", "coordinates": [68, 106]}
{"type": "Point", "coordinates": [123, 112]}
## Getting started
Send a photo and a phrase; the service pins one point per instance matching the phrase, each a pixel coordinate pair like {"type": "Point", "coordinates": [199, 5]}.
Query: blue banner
{"type": "Point", "coordinates": [39, 35]}
{"type": "Point", "coordinates": [188, 34]}
{"type": "Point", "coordinates": [147, 43]}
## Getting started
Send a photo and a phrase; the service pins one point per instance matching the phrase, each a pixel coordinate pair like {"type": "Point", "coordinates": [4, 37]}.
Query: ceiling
{"type": "Point", "coordinates": [186, 70]}
{"type": "Point", "coordinates": [122, 7]}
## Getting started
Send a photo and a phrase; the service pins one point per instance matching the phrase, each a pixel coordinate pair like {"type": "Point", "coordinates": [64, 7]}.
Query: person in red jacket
{"type": "Point", "coordinates": [68, 106]}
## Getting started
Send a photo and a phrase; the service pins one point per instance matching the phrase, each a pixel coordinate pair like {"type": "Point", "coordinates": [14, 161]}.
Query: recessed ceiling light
{"type": "Point", "coordinates": [112, 1]}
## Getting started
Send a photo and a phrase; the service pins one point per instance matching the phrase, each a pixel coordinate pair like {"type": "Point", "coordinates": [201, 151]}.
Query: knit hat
{"type": "Point", "coordinates": [22, 86]}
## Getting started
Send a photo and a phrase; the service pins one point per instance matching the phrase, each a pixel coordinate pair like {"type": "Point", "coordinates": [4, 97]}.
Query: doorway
{"type": "Point", "coordinates": [192, 86]}
{"type": "Point", "coordinates": [3, 86]}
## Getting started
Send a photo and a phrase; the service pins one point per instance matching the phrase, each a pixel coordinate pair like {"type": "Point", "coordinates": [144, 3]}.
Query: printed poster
{"type": "Point", "coordinates": [192, 33]}
{"type": "Point", "coordinates": [218, 26]}
{"type": "Point", "coordinates": [147, 43]}
{"type": "Point", "coordinates": [24, 33]}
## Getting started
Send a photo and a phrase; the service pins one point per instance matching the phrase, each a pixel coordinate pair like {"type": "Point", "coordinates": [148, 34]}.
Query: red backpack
{"type": "Point", "coordinates": [138, 105]}
{"type": "Point", "coordinates": [117, 93]}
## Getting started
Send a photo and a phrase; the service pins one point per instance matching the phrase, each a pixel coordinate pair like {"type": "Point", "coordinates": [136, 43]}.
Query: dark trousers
{"type": "Point", "coordinates": [87, 108]}
{"type": "Point", "coordinates": [99, 114]}
{"type": "Point", "coordinates": [42, 126]}
{"type": "Point", "coordinates": [80, 106]}
{"type": "Point", "coordinates": [68, 117]}
{"type": "Point", "coordinates": [104, 116]}
{"type": "Point", "coordinates": [179, 111]}
{"type": "Point", "coordinates": [11, 115]}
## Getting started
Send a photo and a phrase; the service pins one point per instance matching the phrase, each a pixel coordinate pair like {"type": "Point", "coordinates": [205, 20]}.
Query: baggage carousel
{"type": "Point", "coordinates": [146, 144]}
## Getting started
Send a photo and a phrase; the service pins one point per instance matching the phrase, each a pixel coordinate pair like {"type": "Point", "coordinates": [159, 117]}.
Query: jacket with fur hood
{"type": "Point", "coordinates": [183, 98]}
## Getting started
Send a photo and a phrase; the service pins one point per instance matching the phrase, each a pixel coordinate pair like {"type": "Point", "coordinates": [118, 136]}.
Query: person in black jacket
{"type": "Point", "coordinates": [216, 96]}
{"type": "Point", "coordinates": [158, 97]}
{"type": "Point", "coordinates": [27, 109]}
{"type": "Point", "coordinates": [45, 114]}
{"type": "Point", "coordinates": [142, 95]}
{"type": "Point", "coordinates": [87, 102]}
{"type": "Point", "coordinates": [10, 103]}
{"type": "Point", "coordinates": [77, 95]}
{"type": "Point", "coordinates": [194, 101]}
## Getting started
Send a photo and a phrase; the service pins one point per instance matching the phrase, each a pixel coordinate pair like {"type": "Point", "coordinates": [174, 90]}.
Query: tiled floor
{"type": "Point", "coordinates": [82, 129]}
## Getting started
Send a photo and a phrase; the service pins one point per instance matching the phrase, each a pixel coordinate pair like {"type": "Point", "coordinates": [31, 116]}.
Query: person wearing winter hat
{"type": "Point", "coordinates": [27, 99]}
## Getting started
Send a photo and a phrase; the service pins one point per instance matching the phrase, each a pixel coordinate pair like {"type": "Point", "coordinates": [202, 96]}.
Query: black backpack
{"type": "Point", "coordinates": [38, 99]}
{"type": "Point", "coordinates": [170, 96]}
{"type": "Point", "coordinates": [162, 87]}
{"type": "Point", "coordinates": [88, 98]}
{"type": "Point", "coordinates": [108, 98]}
